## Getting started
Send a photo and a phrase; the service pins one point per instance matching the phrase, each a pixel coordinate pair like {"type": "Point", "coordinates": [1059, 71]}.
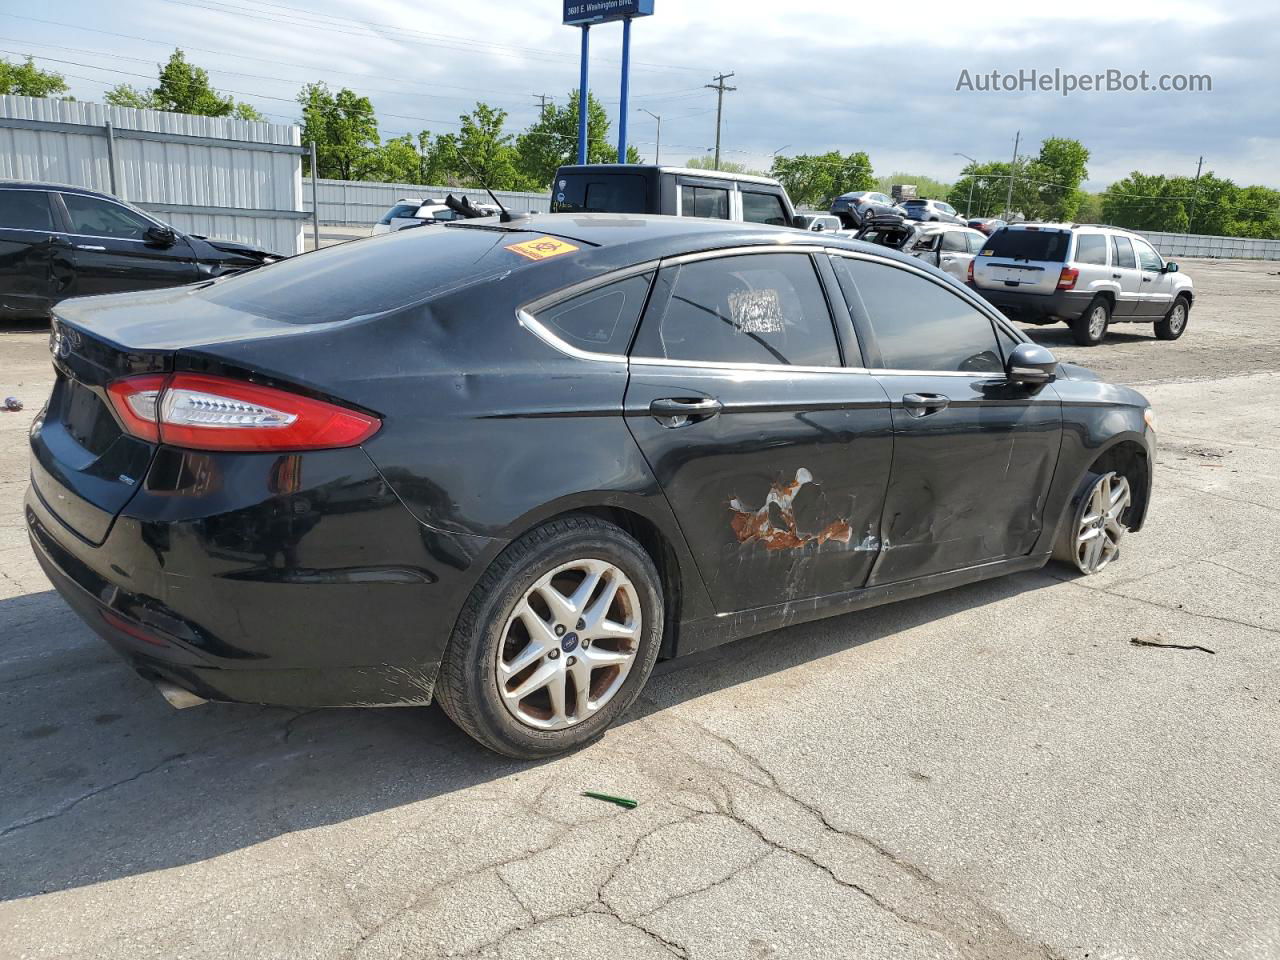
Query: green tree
{"type": "Point", "coordinates": [708, 162]}
{"type": "Point", "coordinates": [552, 141]}
{"type": "Point", "coordinates": [1144, 202]}
{"type": "Point", "coordinates": [481, 154]}
{"type": "Point", "coordinates": [1090, 210]}
{"type": "Point", "coordinates": [1060, 168]}
{"type": "Point", "coordinates": [345, 131]}
{"type": "Point", "coordinates": [26, 80]}
{"type": "Point", "coordinates": [183, 88]}
{"type": "Point", "coordinates": [817, 180]}
{"type": "Point", "coordinates": [1257, 213]}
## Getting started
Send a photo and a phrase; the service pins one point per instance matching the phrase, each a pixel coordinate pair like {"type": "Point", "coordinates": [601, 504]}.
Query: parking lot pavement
{"type": "Point", "coordinates": [997, 771]}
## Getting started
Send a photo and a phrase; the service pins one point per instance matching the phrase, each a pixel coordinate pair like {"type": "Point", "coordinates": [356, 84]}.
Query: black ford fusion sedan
{"type": "Point", "coordinates": [508, 465]}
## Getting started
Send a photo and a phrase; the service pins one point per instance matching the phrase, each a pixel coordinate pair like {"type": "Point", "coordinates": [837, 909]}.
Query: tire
{"type": "Point", "coordinates": [501, 620]}
{"type": "Point", "coordinates": [1089, 538]}
{"type": "Point", "coordinates": [1174, 323]}
{"type": "Point", "coordinates": [1090, 328]}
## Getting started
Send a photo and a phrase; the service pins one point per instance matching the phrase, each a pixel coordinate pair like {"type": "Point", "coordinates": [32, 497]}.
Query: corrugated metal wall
{"type": "Point", "coordinates": [360, 203]}
{"type": "Point", "coordinates": [1196, 245]}
{"type": "Point", "coordinates": [215, 176]}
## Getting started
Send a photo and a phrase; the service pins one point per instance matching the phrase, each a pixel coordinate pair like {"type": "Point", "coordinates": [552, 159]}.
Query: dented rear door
{"type": "Point", "coordinates": [773, 455]}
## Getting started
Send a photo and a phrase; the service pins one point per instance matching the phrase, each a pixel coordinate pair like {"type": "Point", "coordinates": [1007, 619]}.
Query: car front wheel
{"type": "Point", "coordinates": [1091, 540]}
{"type": "Point", "coordinates": [556, 641]}
{"type": "Point", "coordinates": [1175, 321]}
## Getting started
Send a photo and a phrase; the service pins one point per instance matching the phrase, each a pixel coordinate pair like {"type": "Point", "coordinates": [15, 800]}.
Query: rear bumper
{"type": "Point", "coordinates": [1036, 307]}
{"type": "Point", "coordinates": [306, 599]}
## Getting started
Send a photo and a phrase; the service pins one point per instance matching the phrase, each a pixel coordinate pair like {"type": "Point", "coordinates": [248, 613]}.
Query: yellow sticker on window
{"type": "Point", "coordinates": [543, 248]}
{"type": "Point", "coordinates": [989, 252]}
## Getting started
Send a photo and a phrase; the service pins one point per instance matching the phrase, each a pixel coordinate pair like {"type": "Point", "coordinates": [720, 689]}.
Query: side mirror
{"type": "Point", "coordinates": [1170, 267]}
{"type": "Point", "coordinates": [800, 221]}
{"type": "Point", "coordinates": [1031, 364]}
{"type": "Point", "coordinates": [161, 236]}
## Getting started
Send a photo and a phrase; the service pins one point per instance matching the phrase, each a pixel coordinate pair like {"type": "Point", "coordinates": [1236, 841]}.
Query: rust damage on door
{"type": "Point", "coordinates": [774, 524]}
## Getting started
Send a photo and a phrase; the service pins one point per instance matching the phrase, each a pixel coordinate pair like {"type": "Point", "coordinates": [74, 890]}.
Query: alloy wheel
{"type": "Point", "coordinates": [1178, 318]}
{"type": "Point", "coordinates": [569, 644]}
{"type": "Point", "coordinates": [1097, 322]}
{"type": "Point", "coordinates": [1097, 540]}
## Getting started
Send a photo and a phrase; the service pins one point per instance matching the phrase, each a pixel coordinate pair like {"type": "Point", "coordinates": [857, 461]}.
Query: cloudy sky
{"type": "Point", "coordinates": [880, 77]}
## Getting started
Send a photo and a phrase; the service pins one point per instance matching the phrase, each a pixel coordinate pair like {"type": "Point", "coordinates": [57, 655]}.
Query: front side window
{"type": "Point", "coordinates": [1091, 248]}
{"type": "Point", "coordinates": [955, 241]}
{"type": "Point", "coordinates": [976, 241]}
{"type": "Point", "coordinates": [1147, 256]}
{"type": "Point", "coordinates": [947, 208]}
{"type": "Point", "coordinates": [709, 202]}
{"type": "Point", "coordinates": [919, 324]}
{"type": "Point", "coordinates": [1123, 251]}
{"type": "Point", "coordinates": [101, 218]}
{"type": "Point", "coordinates": [754, 308]}
{"type": "Point", "coordinates": [765, 208]}
{"type": "Point", "coordinates": [601, 320]}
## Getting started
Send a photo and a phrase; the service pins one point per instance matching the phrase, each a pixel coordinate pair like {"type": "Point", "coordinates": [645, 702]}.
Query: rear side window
{"type": "Point", "coordinates": [976, 242]}
{"type": "Point", "coordinates": [1028, 245]}
{"type": "Point", "coordinates": [25, 210]}
{"type": "Point", "coordinates": [767, 208]}
{"type": "Point", "coordinates": [918, 324]}
{"type": "Point", "coordinates": [755, 308]}
{"type": "Point", "coordinates": [1123, 250]}
{"type": "Point", "coordinates": [1091, 248]}
{"type": "Point", "coordinates": [709, 202]}
{"type": "Point", "coordinates": [601, 320]}
{"type": "Point", "coordinates": [399, 210]}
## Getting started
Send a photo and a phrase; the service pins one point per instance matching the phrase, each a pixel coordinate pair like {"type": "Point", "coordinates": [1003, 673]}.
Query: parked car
{"type": "Point", "coordinates": [888, 230]}
{"type": "Point", "coordinates": [853, 209]}
{"type": "Point", "coordinates": [677, 191]}
{"type": "Point", "coordinates": [986, 225]}
{"type": "Point", "coordinates": [410, 212]}
{"type": "Point", "coordinates": [817, 222]}
{"type": "Point", "coordinates": [506, 466]}
{"type": "Point", "coordinates": [60, 241]}
{"type": "Point", "coordinates": [1085, 276]}
{"type": "Point", "coordinates": [948, 247]}
{"type": "Point", "coordinates": [932, 211]}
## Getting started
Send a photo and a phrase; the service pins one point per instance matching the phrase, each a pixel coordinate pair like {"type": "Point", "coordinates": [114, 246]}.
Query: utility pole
{"type": "Point", "coordinates": [1013, 172]}
{"type": "Point", "coordinates": [657, 150]}
{"type": "Point", "coordinates": [542, 98]}
{"type": "Point", "coordinates": [1194, 197]}
{"type": "Point", "coordinates": [968, 208]}
{"type": "Point", "coordinates": [721, 90]}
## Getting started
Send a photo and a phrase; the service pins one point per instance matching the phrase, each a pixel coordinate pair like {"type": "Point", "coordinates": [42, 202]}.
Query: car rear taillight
{"type": "Point", "coordinates": [201, 412]}
{"type": "Point", "coordinates": [971, 271]}
{"type": "Point", "coordinates": [1067, 278]}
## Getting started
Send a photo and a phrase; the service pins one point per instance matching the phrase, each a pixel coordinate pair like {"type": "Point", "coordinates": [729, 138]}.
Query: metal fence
{"type": "Point", "coordinates": [214, 176]}
{"type": "Point", "coordinates": [1196, 245]}
{"type": "Point", "coordinates": [360, 203]}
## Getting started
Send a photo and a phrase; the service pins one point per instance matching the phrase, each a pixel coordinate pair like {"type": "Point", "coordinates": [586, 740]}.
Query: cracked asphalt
{"type": "Point", "coordinates": [993, 772]}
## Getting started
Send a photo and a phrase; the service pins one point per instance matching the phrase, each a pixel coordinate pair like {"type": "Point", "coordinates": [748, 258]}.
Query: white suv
{"type": "Point", "coordinates": [411, 211]}
{"type": "Point", "coordinates": [1086, 276]}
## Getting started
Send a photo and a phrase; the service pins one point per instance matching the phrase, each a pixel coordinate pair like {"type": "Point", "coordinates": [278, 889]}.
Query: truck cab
{"type": "Point", "coordinates": [675, 191]}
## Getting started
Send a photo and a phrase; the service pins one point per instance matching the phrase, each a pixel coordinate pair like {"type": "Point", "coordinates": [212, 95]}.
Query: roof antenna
{"type": "Point", "coordinates": [506, 216]}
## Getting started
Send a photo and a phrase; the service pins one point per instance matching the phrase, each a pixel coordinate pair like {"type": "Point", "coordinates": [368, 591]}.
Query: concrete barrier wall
{"type": "Point", "coordinates": [1174, 245]}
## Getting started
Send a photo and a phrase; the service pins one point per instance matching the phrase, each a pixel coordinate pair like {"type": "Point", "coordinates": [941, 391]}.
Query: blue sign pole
{"type": "Point", "coordinates": [582, 97]}
{"type": "Point", "coordinates": [626, 76]}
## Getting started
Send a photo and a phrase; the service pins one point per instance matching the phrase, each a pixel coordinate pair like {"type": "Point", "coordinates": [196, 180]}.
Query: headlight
{"type": "Point", "coordinates": [1149, 417]}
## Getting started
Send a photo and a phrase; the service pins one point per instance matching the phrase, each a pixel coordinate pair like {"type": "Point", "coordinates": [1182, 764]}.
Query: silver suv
{"type": "Point", "coordinates": [1085, 276]}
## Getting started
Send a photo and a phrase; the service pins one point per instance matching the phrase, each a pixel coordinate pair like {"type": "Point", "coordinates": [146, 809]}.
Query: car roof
{"type": "Point", "coordinates": [60, 187]}
{"type": "Point", "coordinates": [660, 168]}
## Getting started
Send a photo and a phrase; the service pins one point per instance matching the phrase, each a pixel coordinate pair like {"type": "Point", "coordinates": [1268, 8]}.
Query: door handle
{"type": "Point", "coordinates": [1116, 276]}
{"type": "Point", "coordinates": [90, 246]}
{"type": "Point", "coordinates": [676, 412]}
{"type": "Point", "coordinates": [924, 404]}
{"type": "Point", "coordinates": [1146, 279]}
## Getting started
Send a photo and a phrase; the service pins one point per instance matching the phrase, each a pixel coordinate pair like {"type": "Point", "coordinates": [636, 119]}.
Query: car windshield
{"type": "Point", "coordinates": [1048, 245]}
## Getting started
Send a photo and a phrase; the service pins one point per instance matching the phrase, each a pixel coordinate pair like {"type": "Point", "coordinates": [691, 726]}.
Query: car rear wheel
{"type": "Point", "coordinates": [556, 641]}
{"type": "Point", "coordinates": [1091, 326]}
{"type": "Point", "coordinates": [1175, 321]}
{"type": "Point", "coordinates": [1092, 539]}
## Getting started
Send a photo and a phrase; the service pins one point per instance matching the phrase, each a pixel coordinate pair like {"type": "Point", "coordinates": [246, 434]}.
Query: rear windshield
{"type": "Point", "coordinates": [600, 193]}
{"type": "Point", "coordinates": [399, 210]}
{"type": "Point", "coordinates": [368, 276]}
{"type": "Point", "coordinates": [1028, 245]}
{"type": "Point", "coordinates": [915, 203]}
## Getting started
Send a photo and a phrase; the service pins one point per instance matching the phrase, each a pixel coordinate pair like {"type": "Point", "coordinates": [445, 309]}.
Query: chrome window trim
{"type": "Point", "coordinates": [540, 330]}
{"type": "Point", "coordinates": [780, 368]}
{"type": "Point", "coordinates": [555, 297]}
{"type": "Point", "coordinates": [895, 372]}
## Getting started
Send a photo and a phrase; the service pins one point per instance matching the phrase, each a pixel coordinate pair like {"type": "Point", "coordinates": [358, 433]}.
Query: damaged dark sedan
{"type": "Point", "coordinates": [58, 242]}
{"type": "Point", "coordinates": [506, 465]}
